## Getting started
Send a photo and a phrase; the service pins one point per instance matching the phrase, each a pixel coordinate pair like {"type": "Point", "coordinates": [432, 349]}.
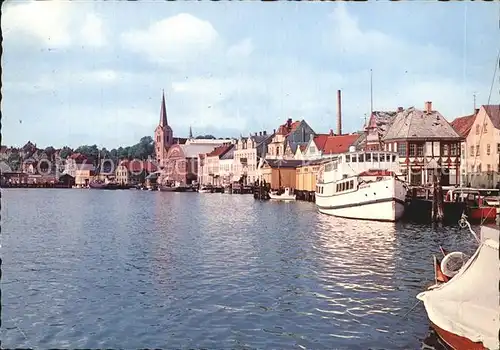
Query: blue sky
{"type": "Point", "coordinates": [93, 72]}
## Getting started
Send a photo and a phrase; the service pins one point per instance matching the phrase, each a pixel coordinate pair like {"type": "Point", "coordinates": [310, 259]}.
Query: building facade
{"type": "Point", "coordinates": [247, 154]}
{"type": "Point", "coordinates": [462, 126]}
{"type": "Point", "coordinates": [133, 172]}
{"type": "Point", "coordinates": [427, 145]}
{"type": "Point", "coordinates": [483, 148]}
{"type": "Point", "coordinates": [291, 134]}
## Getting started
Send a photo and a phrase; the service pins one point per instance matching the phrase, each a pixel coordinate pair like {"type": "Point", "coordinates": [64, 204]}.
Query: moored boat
{"type": "Point", "coordinates": [463, 307]}
{"type": "Point", "coordinates": [286, 195]}
{"type": "Point", "coordinates": [362, 185]}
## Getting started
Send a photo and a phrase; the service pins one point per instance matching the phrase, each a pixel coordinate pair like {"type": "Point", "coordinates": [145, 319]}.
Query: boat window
{"type": "Point", "coordinates": [387, 157]}
{"type": "Point", "coordinates": [343, 186]}
{"type": "Point", "coordinates": [375, 157]}
{"type": "Point", "coordinates": [354, 158]}
{"type": "Point", "coordinates": [351, 184]}
{"type": "Point", "coordinates": [393, 157]}
{"type": "Point", "coordinates": [368, 157]}
{"type": "Point", "coordinates": [361, 158]}
{"type": "Point", "coordinates": [337, 189]}
{"type": "Point", "coordinates": [347, 158]}
{"type": "Point", "coordinates": [340, 160]}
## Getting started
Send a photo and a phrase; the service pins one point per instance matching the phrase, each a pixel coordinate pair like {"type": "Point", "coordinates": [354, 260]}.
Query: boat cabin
{"type": "Point", "coordinates": [356, 163]}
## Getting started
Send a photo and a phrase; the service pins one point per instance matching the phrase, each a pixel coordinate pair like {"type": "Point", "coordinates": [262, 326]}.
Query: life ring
{"type": "Point", "coordinates": [452, 263]}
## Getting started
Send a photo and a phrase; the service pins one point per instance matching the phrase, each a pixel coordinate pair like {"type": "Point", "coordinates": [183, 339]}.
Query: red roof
{"type": "Point", "coordinates": [219, 151]}
{"type": "Point", "coordinates": [320, 141]}
{"type": "Point", "coordinates": [137, 165]}
{"type": "Point", "coordinates": [288, 127]}
{"type": "Point", "coordinates": [462, 125]}
{"type": "Point", "coordinates": [339, 143]}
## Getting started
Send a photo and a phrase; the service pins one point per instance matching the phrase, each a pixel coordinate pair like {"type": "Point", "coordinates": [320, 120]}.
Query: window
{"type": "Point", "coordinates": [312, 149]}
{"type": "Point", "coordinates": [477, 150]}
{"type": "Point", "coordinates": [420, 150]}
{"type": "Point", "coordinates": [354, 158]}
{"type": "Point", "coordinates": [368, 157]}
{"type": "Point", "coordinates": [485, 127]}
{"type": "Point", "coordinates": [479, 168]}
{"type": "Point", "coordinates": [445, 149]}
{"type": "Point", "coordinates": [477, 129]}
{"type": "Point", "coordinates": [401, 149]}
{"type": "Point", "coordinates": [413, 150]}
{"type": "Point", "coordinates": [347, 158]}
{"type": "Point", "coordinates": [471, 150]}
{"type": "Point", "coordinates": [498, 147]}
{"type": "Point", "coordinates": [375, 157]}
{"type": "Point", "coordinates": [361, 158]}
{"type": "Point", "coordinates": [393, 157]}
{"type": "Point", "coordinates": [488, 149]}
{"type": "Point", "coordinates": [351, 184]}
{"type": "Point", "coordinates": [453, 149]}
{"type": "Point", "coordinates": [488, 167]}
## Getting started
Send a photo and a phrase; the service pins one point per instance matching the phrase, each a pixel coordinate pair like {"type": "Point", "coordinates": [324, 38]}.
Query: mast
{"type": "Point", "coordinates": [371, 91]}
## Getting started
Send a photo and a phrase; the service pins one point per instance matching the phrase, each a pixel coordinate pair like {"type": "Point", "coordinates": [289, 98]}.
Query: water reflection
{"type": "Point", "coordinates": [169, 270]}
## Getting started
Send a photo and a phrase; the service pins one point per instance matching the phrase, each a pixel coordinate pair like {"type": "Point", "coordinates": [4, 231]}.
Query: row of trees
{"type": "Point", "coordinates": [141, 150]}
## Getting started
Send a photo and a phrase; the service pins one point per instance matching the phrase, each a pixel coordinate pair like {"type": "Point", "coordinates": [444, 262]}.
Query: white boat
{"type": "Point", "coordinates": [464, 309]}
{"type": "Point", "coordinates": [362, 185]}
{"type": "Point", "coordinates": [205, 189]}
{"type": "Point", "coordinates": [287, 195]}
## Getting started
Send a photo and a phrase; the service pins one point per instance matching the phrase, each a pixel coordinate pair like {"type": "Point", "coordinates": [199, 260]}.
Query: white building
{"type": "Point", "coordinates": [247, 154]}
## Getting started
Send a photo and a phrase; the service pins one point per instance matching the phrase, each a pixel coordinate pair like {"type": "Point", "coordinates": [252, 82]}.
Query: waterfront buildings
{"type": "Point", "coordinates": [133, 172]}
{"type": "Point", "coordinates": [213, 162]}
{"type": "Point", "coordinates": [462, 126]}
{"type": "Point", "coordinates": [288, 136]}
{"type": "Point", "coordinates": [427, 145]}
{"type": "Point", "coordinates": [482, 145]}
{"type": "Point", "coordinates": [226, 165]}
{"type": "Point", "coordinates": [246, 156]}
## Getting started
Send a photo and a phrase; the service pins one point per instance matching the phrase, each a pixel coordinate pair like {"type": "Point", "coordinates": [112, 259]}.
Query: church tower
{"type": "Point", "coordinates": [163, 134]}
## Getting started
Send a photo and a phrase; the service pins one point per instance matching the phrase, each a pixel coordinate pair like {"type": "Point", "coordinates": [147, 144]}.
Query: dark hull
{"type": "Point", "coordinates": [457, 342]}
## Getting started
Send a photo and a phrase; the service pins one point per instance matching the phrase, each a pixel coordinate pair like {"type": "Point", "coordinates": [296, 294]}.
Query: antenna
{"type": "Point", "coordinates": [474, 94]}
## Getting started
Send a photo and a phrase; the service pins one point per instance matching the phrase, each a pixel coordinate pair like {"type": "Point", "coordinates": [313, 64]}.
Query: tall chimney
{"type": "Point", "coordinates": [339, 113]}
{"type": "Point", "coordinates": [265, 132]}
{"type": "Point", "coordinates": [428, 107]}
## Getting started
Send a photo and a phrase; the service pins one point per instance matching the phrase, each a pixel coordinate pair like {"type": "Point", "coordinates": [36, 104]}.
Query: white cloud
{"type": "Point", "coordinates": [53, 24]}
{"type": "Point", "coordinates": [47, 21]}
{"type": "Point", "coordinates": [349, 38]}
{"type": "Point", "coordinates": [242, 49]}
{"type": "Point", "coordinates": [92, 31]}
{"type": "Point", "coordinates": [174, 39]}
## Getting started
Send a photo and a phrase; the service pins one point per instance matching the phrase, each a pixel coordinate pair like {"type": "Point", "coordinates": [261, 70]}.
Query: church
{"type": "Point", "coordinates": [177, 157]}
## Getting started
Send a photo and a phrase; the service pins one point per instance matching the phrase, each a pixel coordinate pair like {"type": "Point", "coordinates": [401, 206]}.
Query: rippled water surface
{"type": "Point", "coordinates": [130, 269]}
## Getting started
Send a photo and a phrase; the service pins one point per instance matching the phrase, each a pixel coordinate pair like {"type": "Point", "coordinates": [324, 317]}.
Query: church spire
{"type": "Point", "coordinates": [190, 132]}
{"type": "Point", "coordinates": [163, 111]}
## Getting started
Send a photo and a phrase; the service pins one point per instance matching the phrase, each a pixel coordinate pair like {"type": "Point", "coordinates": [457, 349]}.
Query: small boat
{"type": "Point", "coordinates": [205, 189]}
{"type": "Point", "coordinates": [286, 195]}
{"type": "Point", "coordinates": [463, 304]}
{"type": "Point", "coordinates": [479, 208]}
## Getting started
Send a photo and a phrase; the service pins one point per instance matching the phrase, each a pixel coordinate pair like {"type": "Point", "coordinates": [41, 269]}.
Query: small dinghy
{"type": "Point", "coordinates": [287, 195]}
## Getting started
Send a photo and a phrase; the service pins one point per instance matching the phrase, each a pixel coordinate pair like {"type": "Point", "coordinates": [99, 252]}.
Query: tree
{"type": "Point", "coordinates": [65, 152]}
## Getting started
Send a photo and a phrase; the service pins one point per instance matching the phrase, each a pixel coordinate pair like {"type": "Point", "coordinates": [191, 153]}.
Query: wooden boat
{"type": "Point", "coordinates": [286, 195]}
{"type": "Point", "coordinates": [463, 308]}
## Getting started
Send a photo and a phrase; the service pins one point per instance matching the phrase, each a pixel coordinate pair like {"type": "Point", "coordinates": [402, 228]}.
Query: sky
{"type": "Point", "coordinates": [93, 72]}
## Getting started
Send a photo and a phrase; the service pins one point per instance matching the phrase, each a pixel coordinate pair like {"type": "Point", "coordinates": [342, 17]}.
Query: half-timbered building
{"type": "Point", "coordinates": [427, 145]}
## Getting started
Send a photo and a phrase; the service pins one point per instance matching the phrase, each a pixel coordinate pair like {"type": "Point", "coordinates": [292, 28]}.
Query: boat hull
{"type": "Point", "coordinates": [456, 342]}
{"type": "Point", "coordinates": [377, 201]}
{"type": "Point", "coordinates": [483, 213]}
{"type": "Point", "coordinates": [282, 197]}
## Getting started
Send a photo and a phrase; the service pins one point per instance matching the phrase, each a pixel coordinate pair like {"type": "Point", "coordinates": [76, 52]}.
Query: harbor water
{"type": "Point", "coordinates": [137, 269]}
